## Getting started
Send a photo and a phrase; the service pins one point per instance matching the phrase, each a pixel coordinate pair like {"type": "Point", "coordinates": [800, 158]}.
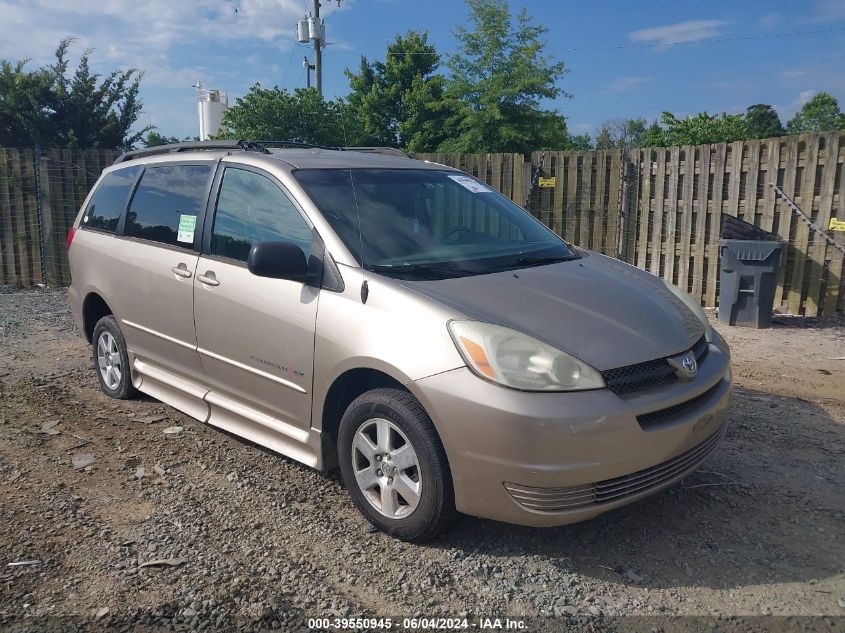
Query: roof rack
{"type": "Point", "coordinates": [188, 146]}
{"type": "Point", "coordinates": [247, 146]}
{"type": "Point", "coordinates": [387, 151]}
{"type": "Point", "coordinates": [297, 144]}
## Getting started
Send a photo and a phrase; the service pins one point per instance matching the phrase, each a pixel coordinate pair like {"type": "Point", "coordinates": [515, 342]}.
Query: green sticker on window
{"type": "Point", "coordinates": [187, 225]}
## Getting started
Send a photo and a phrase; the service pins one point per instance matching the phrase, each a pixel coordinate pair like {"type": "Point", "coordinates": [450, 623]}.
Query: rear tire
{"type": "Point", "coordinates": [394, 465]}
{"type": "Point", "coordinates": [111, 360]}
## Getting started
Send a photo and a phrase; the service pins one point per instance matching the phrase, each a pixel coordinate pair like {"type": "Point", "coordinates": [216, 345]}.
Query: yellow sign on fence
{"type": "Point", "coordinates": [836, 225]}
{"type": "Point", "coordinates": [546, 182]}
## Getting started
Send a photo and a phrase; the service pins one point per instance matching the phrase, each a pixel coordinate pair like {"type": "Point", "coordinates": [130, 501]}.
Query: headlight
{"type": "Point", "coordinates": [694, 306]}
{"type": "Point", "coordinates": [516, 360]}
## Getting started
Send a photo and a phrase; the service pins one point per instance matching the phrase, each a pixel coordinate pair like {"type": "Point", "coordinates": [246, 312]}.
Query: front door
{"type": "Point", "coordinates": [255, 335]}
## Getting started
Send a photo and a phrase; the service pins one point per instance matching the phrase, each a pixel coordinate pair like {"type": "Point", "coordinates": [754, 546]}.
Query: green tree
{"type": "Point", "coordinates": [500, 77]}
{"type": "Point", "coordinates": [401, 101]}
{"type": "Point", "coordinates": [819, 114]}
{"type": "Point", "coordinates": [153, 138]}
{"type": "Point", "coordinates": [23, 99]}
{"type": "Point", "coordinates": [427, 114]}
{"type": "Point", "coordinates": [53, 107]}
{"type": "Point", "coordinates": [653, 136]}
{"type": "Point", "coordinates": [623, 134]}
{"type": "Point", "coordinates": [700, 129]}
{"type": "Point", "coordinates": [577, 143]}
{"type": "Point", "coordinates": [604, 140]}
{"type": "Point", "coordinates": [302, 115]}
{"type": "Point", "coordinates": [91, 110]}
{"type": "Point", "coordinates": [762, 121]}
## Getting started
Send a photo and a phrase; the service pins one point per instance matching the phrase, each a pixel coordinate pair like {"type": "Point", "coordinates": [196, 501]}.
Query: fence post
{"type": "Point", "coordinates": [622, 217]}
{"type": "Point", "coordinates": [7, 254]}
{"type": "Point", "coordinates": [52, 250]}
{"type": "Point", "coordinates": [40, 213]}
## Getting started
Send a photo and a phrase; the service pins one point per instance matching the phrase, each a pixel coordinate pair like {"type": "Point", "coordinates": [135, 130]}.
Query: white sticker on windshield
{"type": "Point", "coordinates": [469, 183]}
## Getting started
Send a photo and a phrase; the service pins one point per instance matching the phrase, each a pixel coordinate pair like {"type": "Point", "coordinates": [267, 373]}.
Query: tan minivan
{"type": "Point", "coordinates": [398, 319]}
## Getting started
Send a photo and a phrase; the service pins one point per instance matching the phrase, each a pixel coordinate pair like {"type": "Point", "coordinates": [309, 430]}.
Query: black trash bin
{"type": "Point", "coordinates": [749, 260]}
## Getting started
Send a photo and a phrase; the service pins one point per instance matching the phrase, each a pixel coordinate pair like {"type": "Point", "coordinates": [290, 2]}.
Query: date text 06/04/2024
{"type": "Point", "coordinates": [415, 624]}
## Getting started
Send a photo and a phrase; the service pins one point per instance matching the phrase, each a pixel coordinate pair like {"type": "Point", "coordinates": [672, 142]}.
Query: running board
{"type": "Point", "coordinates": [264, 430]}
{"type": "Point", "coordinates": [205, 405]}
{"type": "Point", "coordinates": [180, 393]}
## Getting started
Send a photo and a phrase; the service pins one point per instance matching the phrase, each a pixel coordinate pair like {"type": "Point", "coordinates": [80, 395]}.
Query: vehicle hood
{"type": "Point", "coordinates": [603, 311]}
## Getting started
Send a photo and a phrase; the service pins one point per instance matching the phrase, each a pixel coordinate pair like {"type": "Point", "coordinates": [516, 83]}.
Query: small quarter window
{"type": "Point", "coordinates": [167, 203]}
{"type": "Point", "coordinates": [250, 209]}
{"type": "Point", "coordinates": [106, 206]}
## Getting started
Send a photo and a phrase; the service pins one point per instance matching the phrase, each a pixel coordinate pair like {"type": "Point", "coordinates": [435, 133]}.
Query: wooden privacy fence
{"type": "Point", "coordinates": [660, 208]}
{"type": "Point", "coordinates": [657, 208]}
{"type": "Point", "coordinates": [40, 194]}
{"type": "Point", "coordinates": [678, 196]}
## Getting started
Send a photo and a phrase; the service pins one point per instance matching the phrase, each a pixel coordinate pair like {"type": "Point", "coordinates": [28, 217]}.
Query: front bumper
{"type": "Point", "coordinates": [544, 459]}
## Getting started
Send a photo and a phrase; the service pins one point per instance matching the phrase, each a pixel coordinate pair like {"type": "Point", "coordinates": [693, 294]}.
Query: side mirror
{"type": "Point", "coordinates": [278, 260]}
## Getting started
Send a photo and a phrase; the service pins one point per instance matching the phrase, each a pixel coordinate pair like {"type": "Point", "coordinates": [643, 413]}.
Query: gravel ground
{"type": "Point", "coordinates": [199, 530]}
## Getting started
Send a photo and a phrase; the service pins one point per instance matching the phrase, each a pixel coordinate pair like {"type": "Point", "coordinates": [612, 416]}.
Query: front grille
{"type": "Point", "coordinates": [653, 373]}
{"type": "Point", "coordinates": [638, 377]}
{"type": "Point", "coordinates": [616, 489]}
{"type": "Point", "coordinates": [670, 414]}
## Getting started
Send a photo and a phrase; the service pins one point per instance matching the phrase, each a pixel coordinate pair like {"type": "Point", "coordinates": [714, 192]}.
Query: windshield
{"type": "Point", "coordinates": [421, 223]}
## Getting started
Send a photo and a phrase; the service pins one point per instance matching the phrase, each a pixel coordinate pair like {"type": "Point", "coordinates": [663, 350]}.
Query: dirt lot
{"type": "Point", "coordinates": [264, 542]}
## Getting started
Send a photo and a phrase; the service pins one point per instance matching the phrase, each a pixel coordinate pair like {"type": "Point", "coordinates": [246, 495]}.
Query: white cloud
{"type": "Point", "coordinates": [804, 96]}
{"type": "Point", "coordinates": [804, 82]}
{"type": "Point", "coordinates": [175, 42]}
{"type": "Point", "coordinates": [792, 73]}
{"type": "Point", "coordinates": [787, 110]}
{"type": "Point", "coordinates": [624, 84]}
{"type": "Point", "coordinates": [682, 32]}
{"type": "Point", "coordinates": [128, 33]}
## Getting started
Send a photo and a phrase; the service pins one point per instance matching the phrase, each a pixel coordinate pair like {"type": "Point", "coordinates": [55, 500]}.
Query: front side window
{"type": "Point", "coordinates": [424, 223]}
{"type": "Point", "coordinates": [252, 208]}
{"type": "Point", "coordinates": [167, 203]}
{"type": "Point", "coordinates": [106, 205]}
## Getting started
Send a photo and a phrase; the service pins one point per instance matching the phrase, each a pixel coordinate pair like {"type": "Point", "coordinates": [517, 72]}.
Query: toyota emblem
{"type": "Point", "coordinates": [689, 364]}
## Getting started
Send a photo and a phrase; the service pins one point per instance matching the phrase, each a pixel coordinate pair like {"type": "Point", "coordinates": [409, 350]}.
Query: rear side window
{"type": "Point", "coordinates": [106, 206]}
{"type": "Point", "coordinates": [167, 203]}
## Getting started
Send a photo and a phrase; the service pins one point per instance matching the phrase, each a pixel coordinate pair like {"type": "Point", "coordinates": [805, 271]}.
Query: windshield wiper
{"type": "Point", "coordinates": [417, 270]}
{"type": "Point", "coordinates": [540, 261]}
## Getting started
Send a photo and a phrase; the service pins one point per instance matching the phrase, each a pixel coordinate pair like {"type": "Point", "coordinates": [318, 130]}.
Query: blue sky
{"type": "Point", "coordinates": [624, 59]}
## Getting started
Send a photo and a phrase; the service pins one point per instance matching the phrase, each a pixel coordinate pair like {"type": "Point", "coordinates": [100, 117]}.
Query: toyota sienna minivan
{"type": "Point", "coordinates": [398, 319]}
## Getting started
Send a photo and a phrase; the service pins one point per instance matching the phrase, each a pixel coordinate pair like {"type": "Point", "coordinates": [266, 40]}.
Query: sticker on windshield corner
{"type": "Point", "coordinates": [187, 225]}
{"type": "Point", "coordinates": [472, 185]}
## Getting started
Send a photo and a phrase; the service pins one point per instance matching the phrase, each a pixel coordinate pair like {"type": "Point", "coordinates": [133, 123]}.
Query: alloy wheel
{"type": "Point", "coordinates": [386, 468]}
{"type": "Point", "coordinates": [108, 360]}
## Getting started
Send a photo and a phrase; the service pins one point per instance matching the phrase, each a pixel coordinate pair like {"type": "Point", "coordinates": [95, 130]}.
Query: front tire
{"type": "Point", "coordinates": [111, 359]}
{"type": "Point", "coordinates": [394, 465]}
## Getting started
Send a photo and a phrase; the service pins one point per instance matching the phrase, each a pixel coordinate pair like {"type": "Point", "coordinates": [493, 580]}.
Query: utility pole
{"type": "Point", "coordinates": [312, 28]}
{"type": "Point", "coordinates": [318, 50]}
{"type": "Point", "coordinates": [308, 68]}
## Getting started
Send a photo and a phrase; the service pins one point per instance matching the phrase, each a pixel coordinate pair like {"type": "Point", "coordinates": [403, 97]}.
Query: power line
{"type": "Point", "coordinates": [290, 61]}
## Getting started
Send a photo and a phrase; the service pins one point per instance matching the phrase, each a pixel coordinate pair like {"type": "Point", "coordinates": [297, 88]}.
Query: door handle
{"type": "Point", "coordinates": [209, 278]}
{"type": "Point", "coordinates": [181, 271]}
